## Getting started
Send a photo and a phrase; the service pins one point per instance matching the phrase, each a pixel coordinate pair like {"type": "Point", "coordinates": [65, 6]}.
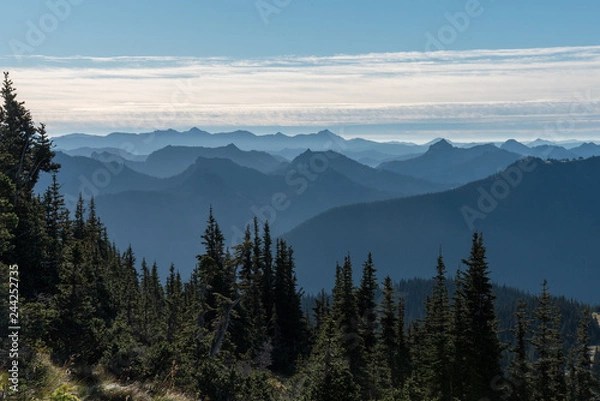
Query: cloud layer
{"type": "Point", "coordinates": [523, 93]}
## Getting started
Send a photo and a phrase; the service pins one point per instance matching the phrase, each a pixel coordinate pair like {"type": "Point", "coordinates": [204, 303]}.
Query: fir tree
{"type": "Point", "coordinates": [290, 337]}
{"type": "Point", "coordinates": [479, 345]}
{"type": "Point", "coordinates": [548, 368]}
{"type": "Point", "coordinates": [330, 377]}
{"type": "Point", "coordinates": [435, 367]}
{"type": "Point", "coordinates": [367, 306]}
{"type": "Point", "coordinates": [584, 385]}
{"type": "Point", "coordinates": [388, 335]}
{"type": "Point", "coordinates": [520, 367]}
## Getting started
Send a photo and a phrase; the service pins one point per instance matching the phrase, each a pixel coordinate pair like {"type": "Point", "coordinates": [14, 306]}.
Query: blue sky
{"type": "Point", "coordinates": [274, 68]}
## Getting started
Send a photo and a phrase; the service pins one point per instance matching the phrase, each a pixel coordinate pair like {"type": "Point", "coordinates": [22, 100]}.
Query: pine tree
{"type": "Point", "coordinates": [388, 335]}
{"type": "Point", "coordinates": [477, 345]}
{"type": "Point", "coordinates": [8, 219]}
{"type": "Point", "coordinates": [403, 352]}
{"type": "Point", "coordinates": [584, 386]}
{"type": "Point", "coordinates": [548, 368]}
{"type": "Point", "coordinates": [520, 367]}
{"type": "Point", "coordinates": [244, 327]}
{"type": "Point", "coordinates": [290, 338]}
{"type": "Point", "coordinates": [435, 367]}
{"type": "Point", "coordinates": [345, 314]}
{"type": "Point", "coordinates": [367, 305]}
{"type": "Point", "coordinates": [330, 377]}
{"type": "Point", "coordinates": [173, 304]}
{"type": "Point", "coordinates": [25, 152]}
{"type": "Point", "coordinates": [267, 283]}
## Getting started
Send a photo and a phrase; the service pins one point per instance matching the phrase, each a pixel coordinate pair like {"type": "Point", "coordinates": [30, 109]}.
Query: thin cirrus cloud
{"type": "Point", "coordinates": [522, 93]}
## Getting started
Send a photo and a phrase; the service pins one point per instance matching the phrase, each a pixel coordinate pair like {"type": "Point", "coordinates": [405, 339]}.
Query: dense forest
{"type": "Point", "coordinates": [238, 327]}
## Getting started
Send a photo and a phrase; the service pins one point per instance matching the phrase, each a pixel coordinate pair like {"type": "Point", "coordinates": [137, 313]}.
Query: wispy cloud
{"type": "Point", "coordinates": [518, 93]}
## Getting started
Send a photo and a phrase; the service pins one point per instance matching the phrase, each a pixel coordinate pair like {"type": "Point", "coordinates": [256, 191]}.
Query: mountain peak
{"type": "Point", "coordinates": [326, 133]}
{"type": "Point", "coordinates": [441, 145]}
{"type": "Point", "coordinates": [232, 146]}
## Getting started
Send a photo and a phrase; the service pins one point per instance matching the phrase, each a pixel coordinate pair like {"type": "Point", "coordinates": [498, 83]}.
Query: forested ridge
{"type": "Point", "coordinates": [236, 329]}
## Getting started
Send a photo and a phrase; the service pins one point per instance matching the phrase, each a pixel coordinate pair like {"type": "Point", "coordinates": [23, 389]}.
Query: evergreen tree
{"type": "Point", "coordinates": [520, 367]}
{"type": "Point", "coordinates": [548, 368]}
{"type": "Point", "coordinates": [25, 152]}
{"type": "Point", "coordinates": [330, 378]}
{"type": "Point", "coordinates": [479, 346]}
{"type": "Point", "coordinates": [244, 327]}
{"type": "Point", "coordinates": [173, 304]}
{"type": "Point", "coordinates": [345, 314]}
{"type": "Point", "coordinates": [388, 335]}
{"type": "Point", "coordinates": [367, 305]}
{"type": "Point", "coordinates": [584, 385]}
{"type": "Point", "coordinates": [8, 219]}
{"type": "Point", "coordinates": [435, 367]}
{"type": "Point", "coordinates": [268, 279]}
{"type": "Point", "coordinates": [290, 337]}
{"type": "Point", "coordinates": [403, 352]}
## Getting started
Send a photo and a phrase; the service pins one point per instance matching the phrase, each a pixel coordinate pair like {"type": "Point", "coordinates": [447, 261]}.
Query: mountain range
{"type": "Point", "coordinates": [329, 196]}
{"type": "Point", "coordinates": [540, 219]}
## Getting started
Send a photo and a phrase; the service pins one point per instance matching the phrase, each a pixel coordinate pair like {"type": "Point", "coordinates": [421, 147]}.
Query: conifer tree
{"type": "Point", "coordinates": [330, 377]}
{"type": "Point", "coordinates": [520, 367]}
{"type": "Point", "coordinates": [290, 337]}
{"type": "Point", "coordinates": [388, 335]}
{"type": "Point", "coordinates": [244, 326]}
{"type": "Point", "coordinates": [549, 374]}
{"type": "Point", "coordinates": [367, 305]}
{"type": "Point", "coordinates": [583, 384]}
{"type": "Point", "coordinates": [173, 304]}
{"type": "Point", "coordinates": [478, 347]}
{"type": "Point", "coordinates": [403, 351]}
{"type": "Point", "coordinates": [25, 152]}
{"type": "Point", "coordinates": [345, 314]}
{"type": "Point", "coordinates": [267, 284]}
{"type": "Point", "coordinates": [435, 367]}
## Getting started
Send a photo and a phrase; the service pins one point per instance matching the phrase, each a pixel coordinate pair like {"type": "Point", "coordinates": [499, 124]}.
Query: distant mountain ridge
{"type": "Point", "coordinates": [449, 165]}
{"type": "Point", "coordinates": [173, 160]}
{"type": "Point", "coordinates": [539, 223]}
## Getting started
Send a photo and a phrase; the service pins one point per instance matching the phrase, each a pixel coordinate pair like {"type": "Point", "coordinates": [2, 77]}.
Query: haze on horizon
{"type": "Point", "coordinates": [466, 70]}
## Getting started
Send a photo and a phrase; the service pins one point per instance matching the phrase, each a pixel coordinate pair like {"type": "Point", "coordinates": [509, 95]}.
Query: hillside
{"type": "Point", "coordinates": [548, 225]}
{"type": "Point", "coordinates": [446, 164]}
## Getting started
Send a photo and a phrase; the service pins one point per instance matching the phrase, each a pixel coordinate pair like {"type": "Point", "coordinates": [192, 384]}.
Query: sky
{"type": "Point", "coordinates": [385, 70]}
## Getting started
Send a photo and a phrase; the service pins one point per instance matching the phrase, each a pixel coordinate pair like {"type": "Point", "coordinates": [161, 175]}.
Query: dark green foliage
{"type": "Point", "coordinates": [290, 336]}
{"type": "Point", "coordinates": [520, 367]}
{"type": "Point", "coordinates": [583, 385]}
{"type": "Point", "coordinates": [214, 335]}
{"type": "Point", "coordinates": [330, 377]}
{"type": "Point", "coordinates": [548, 368]}
{"type": "Point", "coordinates": [478, 350]}
{"type": "Point", "coordinates": [435, 366]}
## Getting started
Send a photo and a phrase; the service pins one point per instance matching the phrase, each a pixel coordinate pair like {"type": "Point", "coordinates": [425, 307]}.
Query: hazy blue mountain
{"type": "Point", "coordinates": [446, 164]}
{"type": "Point", "coordinates": [93, 177]}
{"type": "Point", "coordinates": [552, 152]}
{"type": "Point", "coordinates": [175, 215]}
{"type": "Point", "coordinates": [173, 160]}
{"type": "Point", "coordinates": [538, 224]}
{"type": "Point", "coordinates": [548, 150]}
{"type": "Point", "coordinates": [586, 150]}
{"type": "Point", "coordinates": [146, 143]}
{"type": "Point", "coordinates": [382, 180]}
{"type": "Point", "coordinates": [91, 152]}
{"type": "Point", "coordinates": [517, 147]}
